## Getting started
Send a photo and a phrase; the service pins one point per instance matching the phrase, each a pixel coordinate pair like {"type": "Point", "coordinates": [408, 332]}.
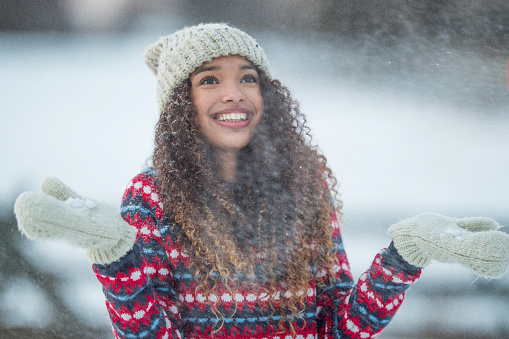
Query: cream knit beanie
{"type": "Point", "coordinates": [174, 57]}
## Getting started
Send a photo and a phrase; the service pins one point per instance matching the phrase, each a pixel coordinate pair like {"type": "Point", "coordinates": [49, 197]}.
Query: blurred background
{"type": "Point", "coordinates": [409, 101]}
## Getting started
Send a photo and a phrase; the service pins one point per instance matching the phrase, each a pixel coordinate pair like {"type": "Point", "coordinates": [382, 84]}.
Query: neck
{"type": "Point", "coordinates": [227, 164]}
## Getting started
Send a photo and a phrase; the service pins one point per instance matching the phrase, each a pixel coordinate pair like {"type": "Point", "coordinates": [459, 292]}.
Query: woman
{"type": "Point", "coordinates": [235, 231]}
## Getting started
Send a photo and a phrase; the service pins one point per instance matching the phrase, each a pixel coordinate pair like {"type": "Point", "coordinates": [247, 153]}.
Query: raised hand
{"type": "Point", "coordinates": [60, 213]}
{"type": "Point", "coordinates": [473, 242]}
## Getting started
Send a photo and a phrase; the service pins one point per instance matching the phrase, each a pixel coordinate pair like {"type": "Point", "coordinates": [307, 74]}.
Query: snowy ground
{"type": "Point", "coordinates": [402, 137]}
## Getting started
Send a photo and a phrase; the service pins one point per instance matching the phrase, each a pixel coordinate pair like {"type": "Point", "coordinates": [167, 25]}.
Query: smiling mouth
{"type": "Point", "coordinates": [231, 117]}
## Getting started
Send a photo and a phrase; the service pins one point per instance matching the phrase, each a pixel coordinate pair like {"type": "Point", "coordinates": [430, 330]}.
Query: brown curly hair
{"type": "Point", "coordinates": [280, 206]}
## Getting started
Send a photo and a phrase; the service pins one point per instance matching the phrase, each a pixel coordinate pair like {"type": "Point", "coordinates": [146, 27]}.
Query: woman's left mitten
{"type": "Point", "coordinates": [475, 243]}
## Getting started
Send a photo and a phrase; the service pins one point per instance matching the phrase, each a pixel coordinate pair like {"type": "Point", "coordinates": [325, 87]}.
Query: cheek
{"type": "Point", "coordinates": [200, 100]}
{"type": "Point", "coordinates": [258, 99]}
{"type": "Point", "coordinates": [199, 117]}
{"type": "Point", "coordinates": [260, 105]}
{"type": "Point", "coordinates": [198, 107]}
{"type": "Point", "coordinates": [257, 103]}
{"type": "Point", "coordinates": [201, 111]}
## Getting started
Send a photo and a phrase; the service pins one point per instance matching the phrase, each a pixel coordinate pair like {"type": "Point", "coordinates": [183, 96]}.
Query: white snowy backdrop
{"type": "Point", "coordinates": [406, 127]}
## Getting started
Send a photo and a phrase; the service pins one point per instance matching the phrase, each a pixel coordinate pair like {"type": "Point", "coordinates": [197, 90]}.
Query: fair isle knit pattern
{"type": "Point", "coordinates": [150, 292]}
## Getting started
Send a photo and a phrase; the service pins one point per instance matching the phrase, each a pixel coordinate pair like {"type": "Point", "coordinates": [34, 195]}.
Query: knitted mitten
{"type": "Point", "coordinates": [473, 242]}
{"type": "Point", "coordinates": [60, 213]}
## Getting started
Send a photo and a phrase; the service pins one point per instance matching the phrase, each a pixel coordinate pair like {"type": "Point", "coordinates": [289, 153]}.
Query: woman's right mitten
{"type": "Point", "coordinates": [60, 213]}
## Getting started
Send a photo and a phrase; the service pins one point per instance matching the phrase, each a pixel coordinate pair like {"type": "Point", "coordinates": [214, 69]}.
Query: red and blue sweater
{"type": "Point", "coordinates": [150, 292]}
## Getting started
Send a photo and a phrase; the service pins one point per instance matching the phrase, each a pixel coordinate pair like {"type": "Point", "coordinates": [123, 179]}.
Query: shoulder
{"type": "Point", "coordinates": [143, 183]}
{"type": "Point", "coordinates": [143, 190]}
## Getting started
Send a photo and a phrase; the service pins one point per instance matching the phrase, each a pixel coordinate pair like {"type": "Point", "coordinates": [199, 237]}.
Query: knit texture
{"type": "Point", "coordinates": [472, 242]}
{"type": "Point", "coordinates": [151, 292]}
{"type": "Point", "coordinates": [174, 57]}
{"type": "Point", "coordinates": [60, 213]}
{"type": "Point", "coordinates": [54, 187]}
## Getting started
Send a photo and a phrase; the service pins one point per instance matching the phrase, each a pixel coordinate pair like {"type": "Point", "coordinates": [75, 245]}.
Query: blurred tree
{"type": "Point", "coordinates": [468, 23]}
{"type": "Point", "coordinates": [33, 15]}
{"type": "Point", "coordinates": [453, 22]}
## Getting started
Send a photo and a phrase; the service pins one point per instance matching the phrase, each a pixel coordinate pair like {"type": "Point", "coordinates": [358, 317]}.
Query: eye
{"type": "Point", "coordinates": [250, 79]}
{"type": "Point", "coordinates": [208, 80]}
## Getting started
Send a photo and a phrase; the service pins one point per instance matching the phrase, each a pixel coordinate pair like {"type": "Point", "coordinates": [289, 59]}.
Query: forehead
{"type": "Point", "coordinates": [230, 61]}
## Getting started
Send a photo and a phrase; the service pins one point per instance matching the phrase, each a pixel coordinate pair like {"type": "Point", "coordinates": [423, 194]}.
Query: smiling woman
{"type": "Point", "coordinates": [235, 231]}
{"type": "Point", "coordinates": [229, 105]}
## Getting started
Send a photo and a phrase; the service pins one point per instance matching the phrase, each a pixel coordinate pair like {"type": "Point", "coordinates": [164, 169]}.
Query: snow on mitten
{"type": "Point", "coordinates": [473, 242]}
{"type": "Point", "coordinates": [60, 213]}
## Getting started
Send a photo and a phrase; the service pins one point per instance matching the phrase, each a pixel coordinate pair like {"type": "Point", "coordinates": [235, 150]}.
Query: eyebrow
{"type": "Point", "coordinates": [207, 69]}
{"type": "Point", "coordinates": [217, 68]}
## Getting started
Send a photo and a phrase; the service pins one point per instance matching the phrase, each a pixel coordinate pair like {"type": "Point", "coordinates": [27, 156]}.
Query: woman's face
{"type": "Point", "coordinates": [228, 101]}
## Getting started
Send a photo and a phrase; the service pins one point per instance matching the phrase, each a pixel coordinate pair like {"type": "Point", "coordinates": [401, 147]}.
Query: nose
{"type": "Point", "coordinates": [232, 93]}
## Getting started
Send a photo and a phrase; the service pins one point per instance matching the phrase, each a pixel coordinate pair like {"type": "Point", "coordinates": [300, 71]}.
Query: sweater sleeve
{"type": "Point", "coordinates": [140, 297]}
{"type": "Point", "coordinates": [363, 310]}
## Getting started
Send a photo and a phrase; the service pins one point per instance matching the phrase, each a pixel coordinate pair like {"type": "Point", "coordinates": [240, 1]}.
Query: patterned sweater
{"type": "Point", "coordinates": [150, 292]}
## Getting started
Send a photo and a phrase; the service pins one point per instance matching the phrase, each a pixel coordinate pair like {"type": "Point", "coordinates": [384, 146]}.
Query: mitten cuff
{"type": "Point", "coordinates": [405, 245]}
{"type": "Point", "coordinates": [110, 254]}
{"type": "Point", "coordinates": [398, 262]}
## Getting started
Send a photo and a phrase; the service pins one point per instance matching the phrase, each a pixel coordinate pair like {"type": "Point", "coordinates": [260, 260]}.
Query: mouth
{"type": "Point", "coordinates": [233, 117]}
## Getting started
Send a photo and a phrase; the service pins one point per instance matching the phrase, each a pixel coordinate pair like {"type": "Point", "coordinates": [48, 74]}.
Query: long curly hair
{"type": "Point", "coordinates": [273, 225]}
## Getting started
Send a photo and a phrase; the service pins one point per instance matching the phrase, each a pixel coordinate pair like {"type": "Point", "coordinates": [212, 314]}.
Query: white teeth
{"type": "Point", "coordinates": [232, 117]}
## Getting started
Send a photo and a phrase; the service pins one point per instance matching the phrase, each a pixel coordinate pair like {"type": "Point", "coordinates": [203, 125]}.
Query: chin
{"type": "Point", "coordinates": [232, 146]}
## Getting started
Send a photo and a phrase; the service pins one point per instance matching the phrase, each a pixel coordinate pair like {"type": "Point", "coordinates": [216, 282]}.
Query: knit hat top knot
{"type": "Point", "coordinates": [174, 57]}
